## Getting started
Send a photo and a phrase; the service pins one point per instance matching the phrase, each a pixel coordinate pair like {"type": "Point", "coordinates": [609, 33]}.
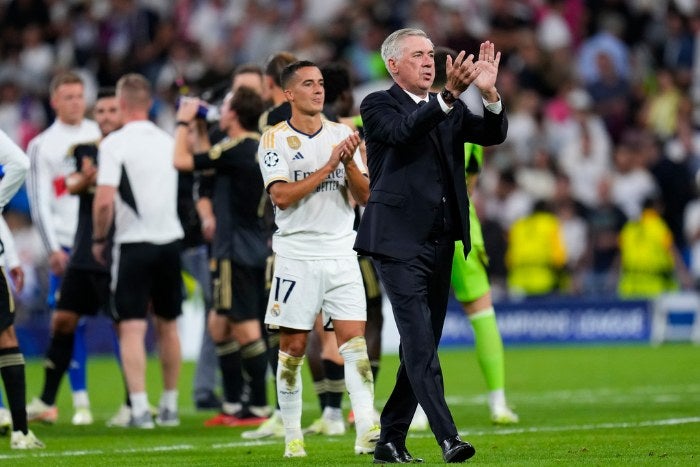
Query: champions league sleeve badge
{"type": "Point", "coordinates": [271, 159]}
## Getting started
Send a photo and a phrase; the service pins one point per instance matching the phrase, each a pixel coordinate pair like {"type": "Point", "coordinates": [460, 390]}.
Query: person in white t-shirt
{"type": "Point", "coordinates": [137, 189]}
{"type": "Point", "coordinates": [311, 167]}
{"type": "Point", "coordinates": [55, 214]}
{"type": "Point", "coordinates": [15, 165]}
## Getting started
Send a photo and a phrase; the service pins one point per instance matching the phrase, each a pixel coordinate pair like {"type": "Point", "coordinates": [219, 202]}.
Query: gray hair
{"type": "Point", "coordinates": [392, 47]}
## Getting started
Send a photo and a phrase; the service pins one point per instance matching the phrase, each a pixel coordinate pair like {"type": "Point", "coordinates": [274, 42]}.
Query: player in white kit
{"type": "Point", "coordinates": [311, 167]}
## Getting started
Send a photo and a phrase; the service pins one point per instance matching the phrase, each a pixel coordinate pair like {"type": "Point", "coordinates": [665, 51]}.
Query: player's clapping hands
{"type": "Point", "coordinates": [348, 146]}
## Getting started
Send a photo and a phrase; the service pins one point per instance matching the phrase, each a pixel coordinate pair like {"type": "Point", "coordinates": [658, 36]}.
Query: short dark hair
{"type": "Point", "coordinates": [336, 80]}
{"type": "Point", "coordinates": [275, 65]}
{"type": "Point", "coordinates": [248, 68]}
{"type": "Point", "coordinates": [289, 70]}
{"type": "Point", "coordinates": [106, 91]}
{"type": "Point", "coordinates": [440, 56]}
{"type": "Point", "coordinates": [248, 105]}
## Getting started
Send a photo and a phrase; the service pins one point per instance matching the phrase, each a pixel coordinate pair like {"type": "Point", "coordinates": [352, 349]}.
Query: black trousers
{"type": "Point", "coordinates": [418, 291]}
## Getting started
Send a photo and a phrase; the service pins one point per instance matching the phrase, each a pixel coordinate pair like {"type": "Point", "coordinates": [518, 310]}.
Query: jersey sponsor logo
{"type": "Point", "coordinates": [293, 142]}
{"type": "Point", "coordinates": [298, 156]}
{"type": "Point", "coordinates": [271, 159]}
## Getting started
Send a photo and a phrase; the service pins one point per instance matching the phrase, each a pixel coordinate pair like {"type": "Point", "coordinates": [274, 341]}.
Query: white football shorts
{"type": "Point", "coordinates": [302, 288]}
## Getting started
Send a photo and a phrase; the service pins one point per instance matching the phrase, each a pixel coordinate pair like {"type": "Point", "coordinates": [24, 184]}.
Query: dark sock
{"type": "Point", "coordinates": [273, 350]}
{"type": "Point", "coordinates": [335, 383]}
{"type": "Point", "coordinates": [229, 354]}
{"type": "Point", "coordinates": [12, 372]}
{"type": "Point", "coordinates": [254, 361]}
{"type": "Point", "coordinates": [57, 361]}
{"type": "Point", "coordinates": [320, 388]}
{"type": "Point", "coordinates": [375, 369]}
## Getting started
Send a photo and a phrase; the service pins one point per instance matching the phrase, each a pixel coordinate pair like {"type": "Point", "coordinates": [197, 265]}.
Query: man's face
{"type": "Point", "coordinates": [107, 114]}
{"type": "Point", "coordinates": [305, 91]}
{"type": "Point", "coordinates": [68, 102]}
{"type": "Point", "coordinates": [414, 71]}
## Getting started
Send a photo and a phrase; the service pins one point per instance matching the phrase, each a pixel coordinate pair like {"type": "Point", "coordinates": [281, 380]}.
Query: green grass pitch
{"type": "Point", "coordinates": [579, 405]}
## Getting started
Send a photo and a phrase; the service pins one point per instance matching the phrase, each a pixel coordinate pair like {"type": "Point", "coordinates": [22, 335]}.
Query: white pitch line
{"type": "Point", "coordinates": [501, 431]}
{"type": "Point", "coordinates": [590, 426]}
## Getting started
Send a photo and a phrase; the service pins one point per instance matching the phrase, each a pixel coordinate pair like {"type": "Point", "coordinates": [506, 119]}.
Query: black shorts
{"type": "Point", "coordinates": [239, 291]}
{"type": "Point", "coordinates": [84, 292]}
{"type": "Point", "coordinates": [148, 273]}
{"type": "Point", "coordinates": [7, 304]}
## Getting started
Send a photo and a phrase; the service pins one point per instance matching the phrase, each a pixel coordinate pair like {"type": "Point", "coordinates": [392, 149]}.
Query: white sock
{"type": "Point", "coordinates": [497, 399]}
{"type": "Point", "coordinates": [81, 399]}
{"type": "Point", "coordinates": [230, 408]}
{"type": "Point", "coordinates": [289, 394]}
{"type": "Point", "coordinates": [332, 413]}
{"type": "Point", "coordinates": [168, 399]}
{"type": "Point", "coordinates": [139, 403]}
{"type": "Point", "coordinates": [359, 382]}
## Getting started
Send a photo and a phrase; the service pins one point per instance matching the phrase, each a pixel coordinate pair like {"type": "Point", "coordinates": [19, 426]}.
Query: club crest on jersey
{"type": "Point", "coordinates": [293, 142]}
{"type": "Point", "coordinates": [275, 310]}
{"type": "Point", "coordinates": [271, 159]}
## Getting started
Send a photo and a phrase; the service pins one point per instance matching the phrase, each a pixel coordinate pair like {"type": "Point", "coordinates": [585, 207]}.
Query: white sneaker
{"type": "Point", "coordinates": [82, 416]}
{"type": "Point", "coordinates": [420, 420]}
{"type": "Point", "coordinates": [19, 440]}
{"type": "Point", "coordinates": [326, 426]}
{"type": "Point", "coordinates": [504, 416]}
{"type": "Point", "coordinates": [5, 421]}
{"type": "Point", "coordinates": [122, 418]}
{"type": "Point", "coordinates": [271, 428]}
{"type": "Point", "coordinates": [143, 421]}
{"type": "Point", "coordinates": [295, 448]}
{"type": "Point", "coordinates": [37, 410]}
{"type": "Point", "coordinates": [167, 417]}
{"type": "Point", "coordinates": [365, 443]}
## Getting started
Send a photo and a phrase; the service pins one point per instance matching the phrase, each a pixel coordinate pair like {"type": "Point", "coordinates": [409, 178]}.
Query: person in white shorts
{"type": "Point", "coordinates": [310, 168]}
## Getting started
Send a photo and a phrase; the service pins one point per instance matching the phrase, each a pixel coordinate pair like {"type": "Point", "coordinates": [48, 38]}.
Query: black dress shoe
{"type": "Point", "coordinates": [390, 453]}
{"type": "Point", "coordinates": [456, 450]}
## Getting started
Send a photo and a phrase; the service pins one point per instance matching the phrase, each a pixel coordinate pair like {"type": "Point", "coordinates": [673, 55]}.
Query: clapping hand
{"type": "Point", "coordinates": [345, 150]}
{"type": "Point", "coordinates": [488, 66]}
{"type": "Point", "coordinates": [460, 73]}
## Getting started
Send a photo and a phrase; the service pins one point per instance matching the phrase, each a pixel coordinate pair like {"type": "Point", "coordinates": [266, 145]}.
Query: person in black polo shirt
{"type": "Point", "coordinates": [240, 250]}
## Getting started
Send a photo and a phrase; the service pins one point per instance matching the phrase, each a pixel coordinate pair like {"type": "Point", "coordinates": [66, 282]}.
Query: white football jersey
{"type": "Point", "coordinates": [54, 210]}
{"type": "Point", "coordinates": [321, 224]}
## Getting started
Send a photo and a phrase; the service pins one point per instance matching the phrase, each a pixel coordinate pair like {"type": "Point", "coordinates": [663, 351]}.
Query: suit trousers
{"type": "Point", "coordinates": [418, 290]}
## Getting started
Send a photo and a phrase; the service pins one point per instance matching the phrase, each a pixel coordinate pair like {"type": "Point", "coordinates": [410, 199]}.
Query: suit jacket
{"type": "Point", "coordinates": [403, 144]}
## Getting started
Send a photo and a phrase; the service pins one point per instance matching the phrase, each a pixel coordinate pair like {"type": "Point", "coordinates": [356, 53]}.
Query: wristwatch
{"type": "Point", "coordinates": [448, 97]}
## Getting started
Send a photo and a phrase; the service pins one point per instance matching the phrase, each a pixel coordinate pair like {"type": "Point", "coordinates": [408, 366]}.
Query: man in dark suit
{"type": "Point", "coordinates": [417, 208]}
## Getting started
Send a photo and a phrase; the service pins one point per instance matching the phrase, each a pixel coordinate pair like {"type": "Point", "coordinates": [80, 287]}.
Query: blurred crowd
{"type": "Point", "coordinates": [603, 96]}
